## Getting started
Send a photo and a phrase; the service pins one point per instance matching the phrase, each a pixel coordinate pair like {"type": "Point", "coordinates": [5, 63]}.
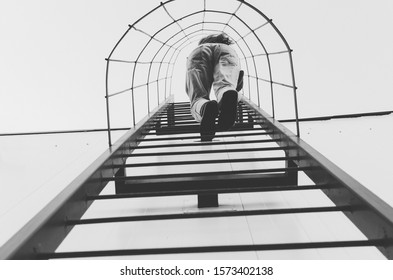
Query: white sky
{"type": "Point", "coordinates": [52, 68]}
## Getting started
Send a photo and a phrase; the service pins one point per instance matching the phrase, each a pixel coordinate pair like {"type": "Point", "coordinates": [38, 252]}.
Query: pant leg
{"type": "Point", "coordinates": [199, 78]}
{"type": "Point", "coordinates": [226, 70]}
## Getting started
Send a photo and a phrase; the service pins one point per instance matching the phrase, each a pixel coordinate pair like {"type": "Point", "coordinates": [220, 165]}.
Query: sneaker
{"type": "Point", "coordinates": [228, 110]}
{"type": "Point", "coordinates": [208, 123]}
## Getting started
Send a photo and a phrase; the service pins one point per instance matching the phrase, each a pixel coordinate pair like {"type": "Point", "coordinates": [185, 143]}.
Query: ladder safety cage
{"type": "Point", "coordinates": [171, 128]}
{"type": "Point", "coordinates": [170, 49]}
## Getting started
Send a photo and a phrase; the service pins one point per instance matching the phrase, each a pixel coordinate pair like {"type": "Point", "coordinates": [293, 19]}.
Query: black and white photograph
{"type": "Point", "coordinates": [234, 134]}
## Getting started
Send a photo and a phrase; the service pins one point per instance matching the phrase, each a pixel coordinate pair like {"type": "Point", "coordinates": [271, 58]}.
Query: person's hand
{"type": "Point", "coordinates": [240, 81]}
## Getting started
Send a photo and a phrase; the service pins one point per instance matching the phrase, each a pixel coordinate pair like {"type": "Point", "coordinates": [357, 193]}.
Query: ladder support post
{"type": "Point", "coordinates": [250, 120]}
{"type": "Point", "coordinates": [120, 184]}
{"type": "Point", "coordinates": [292, 175]}
{"type": "Point", "coordinates": [208, 200]}
{"type": "Point", "coordinates": [171, 115]}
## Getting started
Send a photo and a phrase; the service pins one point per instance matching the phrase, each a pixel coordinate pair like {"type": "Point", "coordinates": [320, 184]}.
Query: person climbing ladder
{"type": "Point", "coordinates": [214, 63]}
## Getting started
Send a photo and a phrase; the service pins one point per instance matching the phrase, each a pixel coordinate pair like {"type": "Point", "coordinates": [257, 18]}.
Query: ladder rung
{"type": "Point", "coordinates": [196, 126]}
{"type": "Point", "coordinates": [217, 136]}
{"type": "Point", "coordinates": [223, 248]}
{"type": "Point", "coordinates": [197, 131]}
{"type": "Point", "coordinates": [197, 162]}
{"type": "Point", "coordinates": [228, 189]}
{"type": "Point", "coordinates": [184, 112]}
{"type": "Point", "coordinates": [205, 144]}
{"type": "Point", "coordinates": [201, 182]}
{"type": "Point", "coordinates": [217, 175]}
{"type": "Point", "coordinates": [215, 214]}
{"type": "Point", "coordinates": [190, 120]}
{"type": "Point", "coordinates": [206, 152]}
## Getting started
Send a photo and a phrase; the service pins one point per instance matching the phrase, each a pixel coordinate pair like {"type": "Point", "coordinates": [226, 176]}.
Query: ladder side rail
{"type": "Point", "coordinates": [46, 230]}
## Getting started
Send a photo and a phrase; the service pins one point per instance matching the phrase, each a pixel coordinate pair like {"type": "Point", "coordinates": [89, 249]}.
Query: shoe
{"type": "Point", "coordinates": [208, 124]}
{"type": "Point", "coordinates": [228, 110]}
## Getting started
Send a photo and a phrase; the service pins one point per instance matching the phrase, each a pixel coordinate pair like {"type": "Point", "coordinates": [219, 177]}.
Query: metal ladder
{"type": "Point", "coordinates": [41, 237]}
{"type": "Point", "coordinates": [171, 122]}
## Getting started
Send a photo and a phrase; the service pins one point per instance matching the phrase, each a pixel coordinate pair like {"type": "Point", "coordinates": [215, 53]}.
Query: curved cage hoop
{"type": "Point", "coordinates": [142, 65]}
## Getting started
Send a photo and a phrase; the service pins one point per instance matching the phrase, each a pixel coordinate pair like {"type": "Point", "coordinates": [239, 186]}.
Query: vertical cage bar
{"type": "Point", "coordinates": [107, 104]}
{"type": "Point", "coordinates": [294, 94]}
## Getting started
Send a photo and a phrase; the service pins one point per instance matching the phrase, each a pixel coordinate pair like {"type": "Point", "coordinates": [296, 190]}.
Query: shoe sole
{"type": "Point", "coordinates": [208, 123]}
{"type": "Point", "coordinates": [228, 111]}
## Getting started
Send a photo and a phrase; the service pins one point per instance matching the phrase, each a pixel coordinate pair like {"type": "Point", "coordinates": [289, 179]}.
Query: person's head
{"type": "Point", "coordinates": [221, 38]}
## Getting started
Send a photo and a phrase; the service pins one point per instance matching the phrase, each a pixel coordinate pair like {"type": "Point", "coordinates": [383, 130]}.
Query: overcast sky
{"type": "Point", "coordinates": [52, 68]}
